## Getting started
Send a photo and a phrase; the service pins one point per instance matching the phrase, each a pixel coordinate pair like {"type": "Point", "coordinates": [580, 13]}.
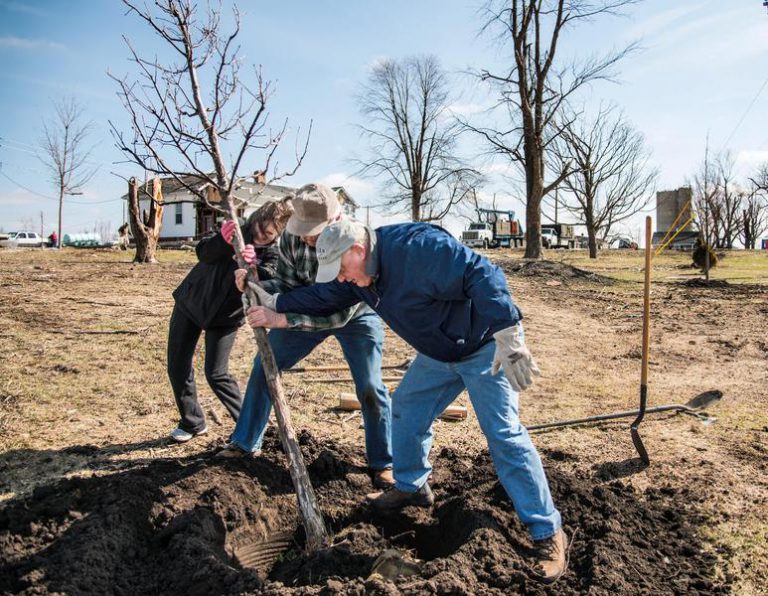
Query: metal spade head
{"type": "Point", "coordinates": [703, 400]}
{"type": "Point", "coordinates": [638, 443]}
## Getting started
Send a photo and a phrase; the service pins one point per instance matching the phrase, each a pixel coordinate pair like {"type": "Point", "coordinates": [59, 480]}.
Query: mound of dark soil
{"type": "Point", "coordinates": [698, 282]}
{"type": "Point", "coordinates": [173, 526]}
{"type": "Point", "coordinates": [552, 270]}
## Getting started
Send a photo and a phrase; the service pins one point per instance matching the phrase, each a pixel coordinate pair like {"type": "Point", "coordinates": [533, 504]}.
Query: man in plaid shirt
{"type": "Point", "coordinates": [357, 328]}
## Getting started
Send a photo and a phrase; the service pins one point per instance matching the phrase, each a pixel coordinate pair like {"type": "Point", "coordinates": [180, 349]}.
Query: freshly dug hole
{"type": "Point", "coordinates": [174, 526]}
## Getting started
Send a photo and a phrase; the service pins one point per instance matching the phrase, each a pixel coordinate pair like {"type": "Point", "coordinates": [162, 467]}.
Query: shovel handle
{"type": "Point", "coordinates": [647, 302]}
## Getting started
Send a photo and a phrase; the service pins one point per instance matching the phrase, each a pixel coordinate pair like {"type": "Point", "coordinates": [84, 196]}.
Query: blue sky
{"type": "Point", "coordinates": [702, 65]}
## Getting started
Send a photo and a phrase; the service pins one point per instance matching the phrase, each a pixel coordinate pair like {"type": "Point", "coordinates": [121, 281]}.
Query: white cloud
{"type": "Point", "coordinates": [361, 190]}
{"type": "Point", "coordinates": [467, 109]}
{"type": "Point", "coordinates": [660, 21]}
{"type": "Point", "coordinates": [748, 161]}
{"type": "Point", "coordinates": [23, 8]}
{"type": "Point", "coordinates": [22, 43]}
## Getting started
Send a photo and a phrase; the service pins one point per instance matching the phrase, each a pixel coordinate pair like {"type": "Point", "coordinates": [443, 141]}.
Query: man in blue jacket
{"type": "Point", "coordinates": [453, 306]}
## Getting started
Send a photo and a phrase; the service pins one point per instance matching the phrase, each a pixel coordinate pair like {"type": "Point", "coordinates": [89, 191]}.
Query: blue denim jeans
{"type": "Point", "coordinates": [361, 342]}
{"type": "Point", "coordinates": [428, 388]}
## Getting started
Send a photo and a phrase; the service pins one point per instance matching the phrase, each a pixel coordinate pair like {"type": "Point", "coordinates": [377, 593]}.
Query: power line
{"type": "Point", "coordinates": [70, 201]}
{"type": "Point", "coordinates": [744, 115]}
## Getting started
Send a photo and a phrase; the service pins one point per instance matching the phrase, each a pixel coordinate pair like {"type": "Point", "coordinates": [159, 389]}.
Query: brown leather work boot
{"type": "Point", "coordinates": [383, 478]}
{"type": "Point", "coordinates": [551, 557]}
{"type": "Point", "coordinates": [396, 499]}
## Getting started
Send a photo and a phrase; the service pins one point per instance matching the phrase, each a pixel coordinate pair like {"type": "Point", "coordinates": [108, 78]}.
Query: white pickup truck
{"type": "Point", "coordinates": [22, 239]}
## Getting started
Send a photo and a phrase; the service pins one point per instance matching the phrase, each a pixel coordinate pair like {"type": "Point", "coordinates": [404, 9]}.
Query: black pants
{"type": "Point", "coordinates": [183, 335]}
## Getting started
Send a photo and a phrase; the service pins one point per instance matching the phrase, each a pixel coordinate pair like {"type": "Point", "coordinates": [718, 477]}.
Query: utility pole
{"type": "Point", "coordinates": [42, 236]}
{"type": "Point", "coordinates": [556, 191]}
{"type": "Point", "coordinates": [706, 210]}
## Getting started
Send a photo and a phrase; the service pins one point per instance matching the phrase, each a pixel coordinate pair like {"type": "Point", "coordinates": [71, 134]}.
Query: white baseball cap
{"type": "Point", "coordinates": [333, 242]}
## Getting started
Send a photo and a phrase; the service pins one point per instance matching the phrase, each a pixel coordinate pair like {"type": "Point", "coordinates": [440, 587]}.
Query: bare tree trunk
{"type": "Point", "coordinates": [535, 184]}
{"type": "Point", "coordinates": [59, 240]}
{"type": "Point", "coordinates": [146, 229]}
{"type": "Point", "coordinates": [592, 239]}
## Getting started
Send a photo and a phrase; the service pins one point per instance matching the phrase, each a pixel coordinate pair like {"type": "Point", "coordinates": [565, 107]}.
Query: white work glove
{"type": "Point", "coordinates": [515, 358]}
{"type": "Point", "coordinates": [265, 298]}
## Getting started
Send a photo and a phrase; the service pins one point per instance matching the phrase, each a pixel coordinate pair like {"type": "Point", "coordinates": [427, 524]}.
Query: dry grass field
{"type": "Point", "coordinates": [83, 388]}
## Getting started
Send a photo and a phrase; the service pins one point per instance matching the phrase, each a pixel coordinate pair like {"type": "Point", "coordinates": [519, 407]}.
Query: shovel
{"type": "Point", "coordinates": [636, 440]}
{"type": "Point", "coordinates": [693, 407]}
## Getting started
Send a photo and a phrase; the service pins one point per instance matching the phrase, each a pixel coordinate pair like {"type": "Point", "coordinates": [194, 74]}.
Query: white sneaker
{"type": "Point", "coordinates": [179, 435]}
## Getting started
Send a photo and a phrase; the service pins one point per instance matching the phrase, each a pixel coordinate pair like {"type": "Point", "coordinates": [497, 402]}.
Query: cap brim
{"type": "Point", "coordinates": [328, 272]}
{"type": "Point", "coordinates": [299, 227]}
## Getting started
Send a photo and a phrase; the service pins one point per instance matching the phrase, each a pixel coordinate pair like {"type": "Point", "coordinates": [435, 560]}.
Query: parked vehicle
{"type": "Point", "coordinates": [82, 240]}
{"type": "Point", "coordinates": [22, 239]}
{"type": "Point", "coordinates": [478, 235]}
{"type": "Point", "coordinates": [558, 236]}
{"type": "Point", "coordinates": [494, 228]}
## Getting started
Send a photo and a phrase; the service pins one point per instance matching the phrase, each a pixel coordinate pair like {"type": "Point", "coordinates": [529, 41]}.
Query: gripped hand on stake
{"type": "Point", "coordinates": [314, 526]}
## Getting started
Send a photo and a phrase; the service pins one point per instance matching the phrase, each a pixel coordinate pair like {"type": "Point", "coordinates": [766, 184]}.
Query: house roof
{"type": "Point", "coordinates": [345, 196]}
{"type": "Point", "coordinates": [245, 192]}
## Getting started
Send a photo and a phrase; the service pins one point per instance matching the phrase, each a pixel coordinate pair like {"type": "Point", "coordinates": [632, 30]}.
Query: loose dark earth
{"type": "Point", "coordinates": [173, 525]}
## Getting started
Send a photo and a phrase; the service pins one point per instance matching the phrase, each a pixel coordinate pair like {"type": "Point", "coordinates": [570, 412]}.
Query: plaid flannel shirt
{"type": "Point", "coordinates": [297, 268]}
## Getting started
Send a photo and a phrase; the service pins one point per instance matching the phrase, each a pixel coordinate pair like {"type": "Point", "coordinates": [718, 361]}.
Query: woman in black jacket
{"type": "Point", "coordinates": [208, 300]}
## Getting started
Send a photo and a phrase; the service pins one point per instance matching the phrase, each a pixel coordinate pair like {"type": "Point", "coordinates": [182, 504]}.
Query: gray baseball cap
{"type": "Point", "coordinates": [313, 207]}
{"type": "Point", "coordinates": [333, 242]}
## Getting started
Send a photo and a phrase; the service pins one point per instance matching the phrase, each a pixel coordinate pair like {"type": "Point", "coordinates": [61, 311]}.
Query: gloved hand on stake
{"type": "Point", "coordinates": [515, 358]}
{"type": "Point", "coordinates": [249, 255]}
{"type": "Point", "coordinates": [228, 230]}
{"type": "Point", "coordinates": [265, 298]}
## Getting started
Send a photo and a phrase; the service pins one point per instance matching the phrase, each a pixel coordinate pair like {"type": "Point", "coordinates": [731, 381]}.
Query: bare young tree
{"type": "Point", "coordinates": [186, 115]}
{"type": "Point", "coordinates": [65, 152]}
{"type": "Point", "coordinates": [413, 138]}
{"type": "Point", "coordinates": [535, 87]}
{"type": "Point", "coordinates": [612, 180]}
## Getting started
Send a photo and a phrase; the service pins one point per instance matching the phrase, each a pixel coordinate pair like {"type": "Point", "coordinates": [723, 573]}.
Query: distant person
{"type": "Point", "coordinates": [207, 300]}
{"type": "Point", "coordinates": [53, 239]}
{"type": "Point", "coordinates": [123, 240]}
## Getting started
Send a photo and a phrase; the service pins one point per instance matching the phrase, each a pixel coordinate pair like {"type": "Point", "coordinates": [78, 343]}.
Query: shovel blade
{"type": "Point", "coordinates": [262, 555]}
{"type": "Point", "coordinates": [703, 400]}
{"type": "Point", "coordinates": [639, 447]}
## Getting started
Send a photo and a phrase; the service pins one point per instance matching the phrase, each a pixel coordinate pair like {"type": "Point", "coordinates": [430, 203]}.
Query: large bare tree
{"type": "Point", "coordinates": [718, 200]}
{"type": "Point", "coordinates": [612, 180]}
{"type": "Point", "coordinates": [186, 116]}
{"type": "Point", "coordinates": [65, 151]}
{"type": "Point", "coordinates": [535, 86]}
{"type": "Point", "coordinates": [413, 138]}
{"type": "Point", "coordinates": [754, 221]}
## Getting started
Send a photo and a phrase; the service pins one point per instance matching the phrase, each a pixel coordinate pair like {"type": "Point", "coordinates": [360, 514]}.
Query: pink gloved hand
{"type": "Point", "coordinates": [228, 230]}
{"type": "Point", "coordinates": [249, 255]}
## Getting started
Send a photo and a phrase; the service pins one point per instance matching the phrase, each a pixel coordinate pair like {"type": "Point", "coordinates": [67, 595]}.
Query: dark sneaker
{"type": "Point", "coordinates": [396, 499]}
{"type": "Point", "coordinates": [551, 557]}
{"type": "Point", "coordinates": [383, 478]}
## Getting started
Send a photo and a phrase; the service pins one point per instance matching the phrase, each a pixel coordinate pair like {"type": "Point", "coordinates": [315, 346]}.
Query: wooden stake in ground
{"type": "Point", "coordinates": [317, 534]}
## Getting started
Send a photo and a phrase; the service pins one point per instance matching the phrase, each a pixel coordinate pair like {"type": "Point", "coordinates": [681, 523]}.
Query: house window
{"type": "Point", "coordinates": [179, 214]}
